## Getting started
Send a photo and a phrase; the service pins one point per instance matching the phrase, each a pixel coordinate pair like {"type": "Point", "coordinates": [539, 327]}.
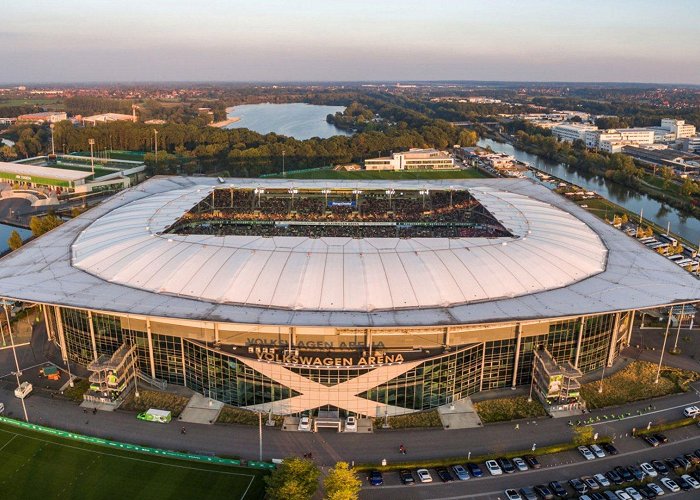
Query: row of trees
{"type": "Point", "coordinates": [297, 479]}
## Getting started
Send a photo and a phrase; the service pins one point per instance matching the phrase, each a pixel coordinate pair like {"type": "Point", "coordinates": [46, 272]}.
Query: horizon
{"type": "Point", "coordinates": [390, 41]}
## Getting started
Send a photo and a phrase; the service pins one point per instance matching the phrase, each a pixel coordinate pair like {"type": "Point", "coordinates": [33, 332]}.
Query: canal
{"type": "Point", "coordinates": [686, 226]}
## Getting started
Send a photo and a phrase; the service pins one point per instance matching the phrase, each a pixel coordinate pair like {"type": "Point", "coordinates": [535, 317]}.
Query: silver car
{"type": "Point", "coordinates": [460, 472]}
{"type": "Point", "coordinates": [520, 464]}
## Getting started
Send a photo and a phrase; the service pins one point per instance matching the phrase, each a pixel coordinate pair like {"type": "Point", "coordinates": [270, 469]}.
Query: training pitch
{"type": "Point", "coordinates": [35, 465]}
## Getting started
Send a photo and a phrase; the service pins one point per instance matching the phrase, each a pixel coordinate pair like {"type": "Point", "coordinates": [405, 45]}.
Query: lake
{"type": "Point", "coordinates": [684, 225]}
{"type": "Point", "coordinates": [298, 120]}
{"type": "Point", "coordinates": [5, 233]}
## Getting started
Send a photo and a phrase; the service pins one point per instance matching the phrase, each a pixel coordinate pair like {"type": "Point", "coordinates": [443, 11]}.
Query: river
{"type": "Point", "coordinates": [299, 120]}
{"type": "Point", "coordinates": [681, 224]}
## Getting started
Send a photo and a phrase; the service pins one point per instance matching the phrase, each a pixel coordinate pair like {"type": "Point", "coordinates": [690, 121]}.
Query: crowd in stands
{"type": "Point", "coordinates": [439, 214]}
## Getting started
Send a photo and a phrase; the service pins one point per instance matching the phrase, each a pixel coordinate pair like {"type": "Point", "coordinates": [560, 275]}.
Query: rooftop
{"type": "Point", "coordinates": [60, 174]}
{"type": "Point", "coordinates": [561, 261]}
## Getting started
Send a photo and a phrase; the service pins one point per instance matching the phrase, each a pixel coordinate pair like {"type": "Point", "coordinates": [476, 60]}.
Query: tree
{"type": "Point", "coordinates": [295, 479]}
{"type": "Point", "coordinates": [341, 483]}
{"type": "Point", "coordinates": [14, 241]}
{"type": "Point", "coordinates": [41, 225]}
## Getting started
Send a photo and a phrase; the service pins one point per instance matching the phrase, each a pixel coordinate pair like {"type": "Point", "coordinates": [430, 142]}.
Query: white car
{"type": "Point", "coordinates": [424, 476]}
{"type": "Point", "coordinates": [520, 464]}
{"type": "Point", "coordinates": [493, 468]}
{"type": "Point", "coordinates": [513, 495]}
{"type": "Point", "coordinates": [23, 390]}
{"type": "Point", "coordinates": [305, 423]}
{"type": "Point", "coordinates": [648, 469]}
{"type": "Point", "coordinates": [602, 480]}
{"type": "Point", "coordinates": [597, 451]}
{"type": "Point", "coordinates": [351, 424]}
{"type": "Point", "coordinates": [634, 493]}
{"type": "Point", "coordinates": [656, 489]}
{"type": "Point", "coordinates": [670, 484]}
{"type": "Point", "coordinates": [691, 481]}
{"type": "Point", "coordinates": [691, 411]}
{"type": "Point", "coordinates": [460, 472]}
{"type": "Point", "coordinates": [587, 454]}
{"type": "Point", "coordinates": [622, 495]}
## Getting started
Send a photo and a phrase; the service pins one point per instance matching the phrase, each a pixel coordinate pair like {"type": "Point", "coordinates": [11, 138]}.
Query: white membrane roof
{"type": "Point", "coordinates": [61, 174]}
{"type": "Point", "coordinates": [551, 249]}
{"type": "Point", "coordinates": [560, 261]}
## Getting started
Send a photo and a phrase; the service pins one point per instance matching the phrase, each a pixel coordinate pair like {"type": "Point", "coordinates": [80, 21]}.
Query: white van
{"type": "Point", "coordinates": [691, 411]}
{"type": "Point", "coordinates": [23, 390]}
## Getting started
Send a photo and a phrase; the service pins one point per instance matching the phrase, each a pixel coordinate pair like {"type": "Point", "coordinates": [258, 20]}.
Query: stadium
{"type": "Point", "coordinates": [364, 297]}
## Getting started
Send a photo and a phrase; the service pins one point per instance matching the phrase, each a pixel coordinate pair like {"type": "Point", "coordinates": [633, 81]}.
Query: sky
{"type": "Point", "coordinates": [350, 40]}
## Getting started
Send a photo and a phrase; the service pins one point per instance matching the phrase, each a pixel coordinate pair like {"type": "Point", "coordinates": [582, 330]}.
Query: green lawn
{"type": "Point", "coordinates": [384, 175]}
{"type": "Point", "coordinates": [36, 465]}
{"type": "Point", "coordinates": [31, 102]}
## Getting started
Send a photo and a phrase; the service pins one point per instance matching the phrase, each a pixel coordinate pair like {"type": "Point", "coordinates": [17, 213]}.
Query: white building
{"type": "Point", "coordinates": [692, 144]}
{"type": "Point", "coordinates": [108, 117]}
{"type": "Point", "coordinates": [571, 132]}
{"type": "Point", "coordinates": [603, 139]}
{"type": "Point", "coordinates": [43, 117]}
{"type": "Point", "coordinates": [678, 128]}
{"type": "Point", "coordinates": [413, 159]}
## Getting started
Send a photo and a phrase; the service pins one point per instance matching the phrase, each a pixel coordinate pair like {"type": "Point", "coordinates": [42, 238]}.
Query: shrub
{"type": "Point", "coordinates": [156, 399]}
{"type": "Point", "coordinates": [499, 410]}
{"type": "Point", "coordinates": [422, 419]}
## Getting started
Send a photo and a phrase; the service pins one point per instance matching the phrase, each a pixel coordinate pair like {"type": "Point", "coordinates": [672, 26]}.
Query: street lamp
{"type": "Point", "coordinates": [18, 372]}
{"type": "Point", "coordinates": [53, 150]}
{"type": "Point", "coordinates": [92, 155]}
{"type": "Point", "coordinates": [155, 141]}
{"type": "Point", "coordinates": [357, 193]}
{"type": "Point", "coordinates": [390, 192]}
{"type": "Point", "coordinates": [284, 174]}
{"type": "Point", "coordinates": [678, 332]}
{"type": "Point", "coordinates": [292, 191]}
{"type": "Point", "coordinates": [259, 192]}
{"type": "Point", "coordinates": [663, 347]}
{"type": "Point", "coordinates": [326, 192]}
{"type": "Point", "coordinates": [424, 192]}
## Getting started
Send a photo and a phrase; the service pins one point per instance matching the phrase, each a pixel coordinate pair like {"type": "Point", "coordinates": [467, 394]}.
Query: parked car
{"type": "Point", "coordinates": [578, 486]}
{"type": "Point", "coordinates": [528, 493]}
{"type": "Point", "coordinates": [634, 493]}
{"type": "Point", "coordinates": [673, 464]}
{"type": "Point", "coordinates": [544, 492]}
{"type": "Point", "coordinates": [602, 480]}
{"type": "Point", "coordinates": [305, 423]}
{"type": "Point", "coordinates": [406, 477]}
{"type": "Point", "coordinates": [651, 441]}
{"type": "Point", "coordinates": [520, 464]}
{"type": "Point", "coordinates": [660, 467]}
{"type": "Point", "coordinates": [648, 469]}
{"type": "Point", "coordinates": [558, 489]}
{"type": "Point", "coordinates": [460, 472]}
{"type": "Point", "coordinates": [597, 451]}
{"type": "Point", "coordinates": [661, 438]}
{"type": "Point", "coordinates": [656, 489]}
{"type": "Point", "coordinates": [614, 477]}
{"type": "Point", "coordinates": [351, 424]}
{"type": "Point", "coordinates": [591, 483]}
{"type": "Point", "coordinates": [609, 449]}
{"type": "Point", "coordinates": [647, 492]}
{"type": "Point", "coordinates": [513, 495]}
{"type": "Point", "coordinates": [532, 461]}
{"type": "Point", "coordinates": [587, 454]}
{"type": "Point", "coordinates": [636, 472]}
{"type": "Point", "coordinates": [375, 478]}
{"type": "Point", "coordinates": [691, 411]}
{"type": "Point", "coordinates": [424, 476]}
{"type": "Point", "coordinates": [623, 495]}
{"type": "Point", "coordinates": [474, 470]}
{"type": "Point", "coordinates": [597, 496]}
{"type": "Point", "coordinates": [493, 468]}
{"type": "Point", "coordinates": [506, 465]}
{"type": "Point", "coordinates": [684, 485]}
{"type": "Point", "coordinates": [692, 458]}
{"type": "Point", "coordinates": [626, 476]}
{"type": "Point", "coordinates": [443, 474]}
{"type": "Point", "coordinates": [691, 481]}
{"type": "Point", "coordinates": [670, 484]}
{"type": "Point", "coordinates": [610, 495]}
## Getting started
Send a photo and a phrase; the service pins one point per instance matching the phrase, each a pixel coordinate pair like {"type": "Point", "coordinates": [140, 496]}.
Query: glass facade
{"type": "Point", "coordinates": [459, 372]}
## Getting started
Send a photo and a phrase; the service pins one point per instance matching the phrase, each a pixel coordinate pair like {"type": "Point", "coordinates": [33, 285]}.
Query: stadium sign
{"type": "Point", "coordinates": [294, 358]}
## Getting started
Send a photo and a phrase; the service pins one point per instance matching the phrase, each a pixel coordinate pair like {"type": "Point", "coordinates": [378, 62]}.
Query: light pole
{"type": "Point", "coordinates": [260, 436]}
{"type": "Point", "coordinates": [357, 193]}
{"type": "Point", "coordinates": [155, 141]}
{"type": "Point", "coordinates": [390, 192]}
{"type": "Point", "coordinates": [663, 348]}
{"type": "Point", "coordinates": [259, 192]}
{"type": "Point", "coordinates": [326, 192]}
{"type": "Point", "coordinates": [284, 174]}
{"type": "Point", "coordinates": [424, 192]}
{"type": "Point", "coordinates": [292, 191]}
{"type": "Point", "coordinates": [53, 149]}
{"type": "Point", "coordinates": [678, 331]}
{"type": "Point", "coordinates": [92, 156]}
{"type": "Point", "coordinates": [18, 372]}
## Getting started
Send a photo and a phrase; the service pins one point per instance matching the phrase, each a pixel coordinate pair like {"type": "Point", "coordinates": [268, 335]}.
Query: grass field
{"type": "Point", "coordinates": [35, 465]}
{"type": "Point", "coordinates": [382, 175]}
{"type": "Point", "coordinates": [31, 102]}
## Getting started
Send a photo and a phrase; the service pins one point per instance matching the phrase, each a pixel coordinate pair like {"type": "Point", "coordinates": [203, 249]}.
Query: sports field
{"type": "Point", "coordinates": [36, 465]}
{"type": "Point", "coordinates": [385, 175]}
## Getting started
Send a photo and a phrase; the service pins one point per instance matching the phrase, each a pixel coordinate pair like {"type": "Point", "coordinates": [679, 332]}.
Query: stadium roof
{"type": "Point", "coordinates": [59, 174]}
{"type": "Point", "coordinates": [561, 261]}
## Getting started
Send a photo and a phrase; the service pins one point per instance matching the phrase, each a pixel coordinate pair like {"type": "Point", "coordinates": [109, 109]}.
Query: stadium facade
{"type": "Point", "coordinates": [380, 318]}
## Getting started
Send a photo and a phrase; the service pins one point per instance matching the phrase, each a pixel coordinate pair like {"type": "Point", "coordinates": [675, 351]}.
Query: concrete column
{"type": "Point", "coordinates": [92, 336]}
{"type": "Point", "coordinates": [150, 348]}
{"type": "Point", "coordinates": [629, 330]}
{"type": "Point", "coordinates": [483, 364]}
{"type": "Point", "coordinates": [613, 339]}
{"type": "Point", "coordinates": [368, 339]}
{"type": "Point", "coordinates": [518, 341]}
{"type": "Point", "coordinates": [216, 332]}
{"type": "Point", "coordinates": [49, 331]}
{"type": "Point", "coordinates": [184, 365]}
{"type": "Point", "coordinates": [61, 335]}
{"type": "Point", "coordinates": [446, 338]}
{"type": "Point", "coordinates": [579, 340]}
